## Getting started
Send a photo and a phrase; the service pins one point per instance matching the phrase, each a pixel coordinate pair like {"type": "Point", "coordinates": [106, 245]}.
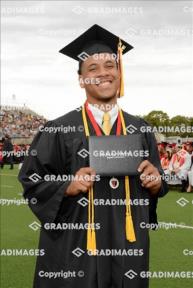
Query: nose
{"type": "Point", "coordinates": [102, 72]}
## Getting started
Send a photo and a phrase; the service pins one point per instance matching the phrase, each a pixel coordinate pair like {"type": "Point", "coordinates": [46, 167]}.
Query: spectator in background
{"type": "Point", "coordinates": [1, 155]}
{"type": "Point", "coordinates": [189, 149]}
{"type": "Point", "coordinates": [165, 160]}
{"type": "Point", "coordinates": [175, 148]}
{"type": "Point", "coordinates": [190, 180]}
{"type": "Point", "coordinates": [161, 149]}
{"type": "Point", "coordinates": [179, 167]}
{"type": "Point", "coordinates": [7, 152]}
{"type": "Point", "coordinates": [20, 124]}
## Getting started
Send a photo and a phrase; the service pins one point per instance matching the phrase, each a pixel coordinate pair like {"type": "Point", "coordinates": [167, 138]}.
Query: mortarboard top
{"type": "Point", "coordinates": [95, 40]}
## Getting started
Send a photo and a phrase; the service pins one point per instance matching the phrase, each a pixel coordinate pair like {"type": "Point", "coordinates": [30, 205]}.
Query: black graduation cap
{"type": "Point", "coordinates": [97, 40]}
{"type": "Point", "coordinates": [94, 40]}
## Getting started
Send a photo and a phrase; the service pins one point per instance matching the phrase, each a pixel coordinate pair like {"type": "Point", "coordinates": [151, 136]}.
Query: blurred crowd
{"type": "Point", "coordinates": [176, 161]}
{"type": "Point", "coordinates": [19, 123]}
{"type": "Point", "coordinates": [12, 153]}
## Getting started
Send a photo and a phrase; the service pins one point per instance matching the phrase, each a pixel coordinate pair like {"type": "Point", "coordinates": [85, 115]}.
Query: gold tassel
{"type": "Point", "coordinates": [89, 239]}
{"type": "Point", "coordinates": [120, 66]}
{"type": "Point", "coordinates": [91, 234]}
{"type": "Point", "coordinates": [93, 242]}
{"type": "Point", "coordinates": [93, 228]}
{"type": "Point", "coordinates": [130, 233]}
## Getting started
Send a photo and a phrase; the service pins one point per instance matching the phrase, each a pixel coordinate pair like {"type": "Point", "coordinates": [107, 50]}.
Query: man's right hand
{"type": "Point", "coordinates": [84, 179]}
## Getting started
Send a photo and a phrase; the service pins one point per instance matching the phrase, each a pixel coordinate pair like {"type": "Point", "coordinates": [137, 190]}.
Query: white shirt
{"type": "Point", "coordinates": [98, 114]}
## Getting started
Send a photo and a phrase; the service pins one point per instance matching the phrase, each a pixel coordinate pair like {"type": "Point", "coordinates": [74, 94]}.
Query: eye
{"type": "Point", "coordinates": [92, 68]}
{"type": "Point", "coordinates": [109, 65]}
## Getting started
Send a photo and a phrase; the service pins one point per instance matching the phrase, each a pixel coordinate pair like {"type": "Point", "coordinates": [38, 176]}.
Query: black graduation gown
{"type": "Point", "coordinates": [57, 155]}
{"type": "Point", "coordinates": [8, 147]}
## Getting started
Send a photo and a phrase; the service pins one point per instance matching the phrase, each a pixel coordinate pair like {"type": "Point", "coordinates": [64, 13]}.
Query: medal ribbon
{"type": "Point", "coordinates": [95, 125]}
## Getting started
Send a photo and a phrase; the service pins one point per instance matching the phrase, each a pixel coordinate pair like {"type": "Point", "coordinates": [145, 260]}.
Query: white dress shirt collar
{"type": "Point", "coordinates": [98, 114]}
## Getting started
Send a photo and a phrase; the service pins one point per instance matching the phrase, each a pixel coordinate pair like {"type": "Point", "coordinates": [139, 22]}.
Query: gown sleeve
{"type": "Point", "coordinates": [151, 145]}
{"type": "Point", "coordinates": [45, 157]}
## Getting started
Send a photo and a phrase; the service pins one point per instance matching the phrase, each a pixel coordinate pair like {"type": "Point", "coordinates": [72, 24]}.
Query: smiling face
{"type": "Point", "coordinates": [100, 77]}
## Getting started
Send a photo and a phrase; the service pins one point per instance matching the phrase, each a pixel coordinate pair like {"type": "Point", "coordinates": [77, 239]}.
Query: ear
{"type": "Point", "coordinates": [81, 81]}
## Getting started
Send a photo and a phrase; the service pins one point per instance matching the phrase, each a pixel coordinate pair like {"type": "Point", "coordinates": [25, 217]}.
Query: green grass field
{"type": "Point", "coordinates": [166, 245]}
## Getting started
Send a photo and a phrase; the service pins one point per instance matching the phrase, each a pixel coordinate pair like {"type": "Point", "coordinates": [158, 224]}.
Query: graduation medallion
{"type": "Point", "coordinates": [114, 183]}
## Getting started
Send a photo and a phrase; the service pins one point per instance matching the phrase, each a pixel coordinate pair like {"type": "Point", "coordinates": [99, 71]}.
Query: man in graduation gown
{"type": "Point", "coordinates": [58, 202]}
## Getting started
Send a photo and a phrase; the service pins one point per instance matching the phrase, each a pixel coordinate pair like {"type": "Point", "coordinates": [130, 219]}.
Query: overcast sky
{"type": "Point", "coordinates": [158, 72]}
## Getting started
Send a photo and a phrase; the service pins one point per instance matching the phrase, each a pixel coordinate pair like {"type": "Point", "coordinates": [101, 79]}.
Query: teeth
{"type": "Point", "coordinates": [108, 82]}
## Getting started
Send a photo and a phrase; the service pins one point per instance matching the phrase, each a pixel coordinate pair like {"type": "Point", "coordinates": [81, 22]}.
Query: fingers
{"type": "Point", "coordinates": [146, 172]}
{"type": "Point", "coordinates": [150, 177]}
{"type": "Point", "coordinates": [87, 184]}
{"type": "Point", "coordinates": [152, 184]}
{"type": "Point", "coordinates": [81, 187]}
{"type": "Point", "coordinates": [143, 165]}
{"type": "Point", "coordinates": [146, 179]}
{"type": "Point", "coordinates": [87, 170]}
{"type": "Point", "coordinates": [85, 178]}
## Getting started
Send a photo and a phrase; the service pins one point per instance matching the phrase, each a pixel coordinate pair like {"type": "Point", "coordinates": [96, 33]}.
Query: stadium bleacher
{"type": "Point", "coordinates": [19, 123]}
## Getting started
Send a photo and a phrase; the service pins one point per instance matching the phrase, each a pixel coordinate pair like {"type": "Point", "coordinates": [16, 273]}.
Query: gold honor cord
{"type": "Point", "coordinates": [130, 233]}
{"type": "Point", "coordinates": [91, 234]}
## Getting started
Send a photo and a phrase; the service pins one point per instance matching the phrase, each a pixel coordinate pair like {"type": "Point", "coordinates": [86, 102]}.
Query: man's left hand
{"type": "Point", "coordinates": [150, 177]}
